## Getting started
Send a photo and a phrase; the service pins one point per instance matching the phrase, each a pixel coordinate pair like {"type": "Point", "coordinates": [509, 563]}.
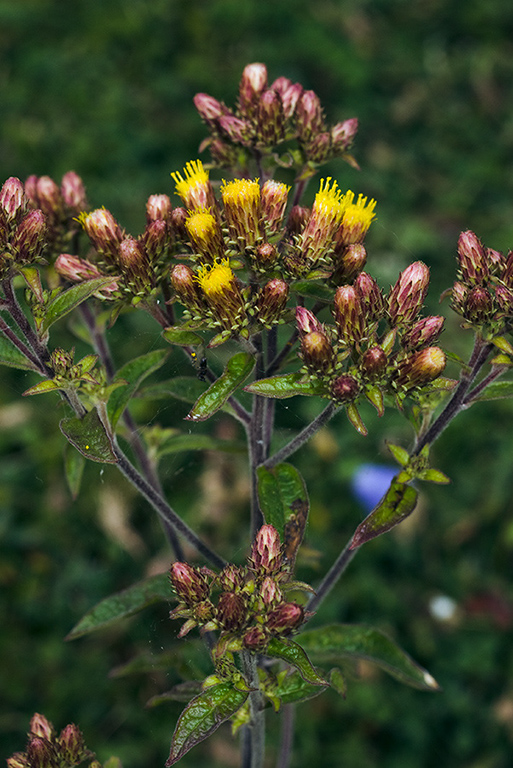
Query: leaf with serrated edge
{"type": "Point", "coordinates": [396, 505]}
{"type": "Point", "coordinates": [335, 642]}
{"type": "Point", "coordinates": [296, 656]}
{"type": "Point", "coordinates": [123, 604]}
{"type": "Point", "coordinates": [203, 715]}
{"type": "Point", "coordinates": [71, 298]}
{"type": "Point", "coordinates": [88, 435]}
{"type": "Point", "coordinates": [236, 372]}
{"type": "Point", "coordinates": [133, 373]}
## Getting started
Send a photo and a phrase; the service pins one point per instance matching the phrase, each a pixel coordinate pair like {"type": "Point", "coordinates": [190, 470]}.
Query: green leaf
{"type": "Point", "coordinates": [177, 443]}
{"type": "Point", "coordinates": [497, 390]}
{"type": "Point", "coordinates": [296, 656]}
{"type": "Point", "coordinates": [123, 604]}
{"type": "Point", "coordinates": [503, 344]}
{"type": "Point", "coordinates": [335, 642]}
{"type": "Point", "coordinates": [181, 692]}
{"type": "Point", "coordinates": [11, 356]}
{"type": "Point", "coordinates": [182, 338]}
{"type": "Point", "coordinates": [185, 388]}
{"type": "Point", "coordinates": [71, 298]}
{"type": "Point", "coordinates": [282, 494]}
{"type": "Point", "coordinates": [316, 290]}
{"type": "Point", "coordinates": [286, 386]}
{"type": "Point", "coordinates": [88, 435]}
{"type": "Point", "coordinates": [33, 280]}
{"type": "Point", "coordinates": [338, 682]}
{"type": "Point", "coordinates": [435, 476]}
{"type": "Point", "coordinates": [204, 714]}
{"type": "Point", "coordinates": [189, 660]}
{"type": "Point", "coordinates": [401, 455]}
{"type": "Point", "coordinates": [133, 373]}
{"type": "Point", "coordinates": [395, 506]}
{"type": "Point", "coordinates": [42, 387]}
{"type": "Point", "coordinates": [294, 689]}
{"type": "Point", "coordinates": [236, 372]}
{"type": "Point", "coordinates": [74, 464]}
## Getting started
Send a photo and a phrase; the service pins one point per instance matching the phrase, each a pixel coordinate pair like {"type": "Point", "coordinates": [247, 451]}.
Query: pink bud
{"type": "Point", "coordinates": [472, 259]}
{"type": "Point", "coordinates": [75, 269]}
{"type": "Point", "coordinates": [342, 134]}
{"type": "Point", "coordinates": [344, 388]}
{"type": "Point", "coordinates": [255, 639]}
{"type": "Point", "coordinates": [408, 294]}
{"type": "Point", "coordinates": [231, 611]}
{"type": "Point", "coordinates": [237, 130]}
{"type": "Point", "coordinates": [189, 583]}
{"type": "Point", "coordinates": [73, 192]}
{"type": "Point", "coordinates": [158, 207]}
{"type": "Point", "coordinates": [12, 197]}
{"type": "Point", "coordinates": [41, 726]}
{"type": "Point", "coordinates": [49, 196]}
{"type": "Point", "coordinates": [30, 237]}
{"type": "Point", "coordinates": [210, 109]}
{"type": "Point", "coordinates": [374, 362]}
{"type": "Point", "coordinates": [285, 618]}
{"type": "Point", "coordinates": [306, 321]}
{"type": "Point", "coordinates": [266, 551]}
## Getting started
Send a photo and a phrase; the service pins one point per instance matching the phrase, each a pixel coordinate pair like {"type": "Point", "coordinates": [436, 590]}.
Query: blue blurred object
{"type": "Point", "coordinates": [370, 482]}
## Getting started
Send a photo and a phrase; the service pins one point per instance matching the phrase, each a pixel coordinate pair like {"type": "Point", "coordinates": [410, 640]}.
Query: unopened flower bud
{"type": "Point", "coordinates": [103, 230]}
{"type": "Point", "coordinates": [298, 218]}
{"type": "Point", "coordinates": [209, 109]}
{"type": "Point", "coordinates": [231, 578]}
{"type": "Point", "coordinates": [478, 304]}
{"type": "Point", "coordinates": [236, 129]}
{"type": "Point", "coordinates": [223, 153]}
{"type": "Point", "coordinates": [495, 260]}
{"type": "Point", "coordinates": [266, 553]}
{"type": "Point", "coordinates": [231, 611]}
{"type": "Point", "coordinates": [18, 760]}
{"type": "Point", "coordinates": [31, 190]}
{"type": "Point", "coordinates": [132, 258]}
{"type": "Point", "coordinates": [178, 218]}
{"type": "Point", "coordinates": [155, 238]}
{"type": "Point", "coordinates": [187, 288]}
{"type": "Point", "coordinates": [77, 270]}
{"type": "Point", "coordinates": [370, 296]}
{"type": "Point", "coordinates": [253, 83]}
{"type": "Point", "coordinates": [270, 591]}
{"type": "Point", "coordinates": [504, 298]}
{"type": "Point", "coordinates": [472, 259]}
{"type": "Point", "coordinates": [73, 193]}
{"type": "Point", "coordinates": [373, 363]}
{"type": "Point", "coordinates": [318, 149]}
{"type": "Point", "coordinates": [423, 333]}
{"type": "Point", "coordinates": [507, 275]}
{"type": "Point", "coordinates": [203, 611]}
{"type": "Point", "coordinates": [158, 207]}
{"type": "Point", "coordinates": [342, 134]}
{"type": "Point", "coordinates": [421, 368]}
{"type": "Point", "coordinates": [12, 198]}
{"type": "Point", "coordinates": [458, 297]}
{"type": "Point", "coordinates": [41, 726]}
{"type": "Point", "coordinates": [306, 321]}
{"type": "Point", "coordinates": [270, 120]}
{"type": "Point", "coordinates": [189, 583]}
{"type": "Point", "coordinates": [49, 197]}
{"type": "Point", "coordinates": [242, 207]}
{"type": "Point", "coordinates": [350, 314]}
{"type": "Point", "coordinates": [61, 361]}
{"type": "Point", "coordinates": [30, 237]}
{"type": "Point", "coordinates": [407, 296]}
{"type": "Point", "coordinates": [266, 255]}
{"type": "Point", "coordinates": [349, 262]}
{"type": "Point", "coordinates": [285, 618]}
{"type": "Point", "coordinates": [317, 352]}
{"type": "Point", "coordinates": [274, 201]}
{"type": "Point", "coordinates": [309, 117]}
{"type": "Point", "coordinates": [255, 639]}
{"type": "Point", "coordinates": [72, 746]}
{"type": "Point", "coordinates": [289, 93]}
{"type": "Point", "coordinates": [41, 753]}
{"type": "Point", "coordinates": [344, 388]}
{"type": "Point", "coordinates": [271, 301]}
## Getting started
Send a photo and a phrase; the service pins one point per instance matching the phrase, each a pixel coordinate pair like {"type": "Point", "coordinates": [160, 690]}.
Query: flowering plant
{"type": "Point", "coordinates": [240, 268]}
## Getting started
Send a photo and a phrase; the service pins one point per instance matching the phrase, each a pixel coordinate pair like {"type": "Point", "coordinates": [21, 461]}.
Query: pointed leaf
{"type": "Point", "coordinates": [123, 604]}
{"type": "Point", "coordinates": [279, 491]}
{"type": "Point", "coordinates": [182, 337]}
{"type": "Point", "coordinates": [33, 280]}
{"type": "Point", "coordinates": [236, 372]}
{"type": "Point", "coordinates": [133, 373]}
{"type": "Point", "coordinates": [88, 435]}
{"type": "Point", "coordinates": [335, 642]}
{"type": "Point", "coordinates": [185, 388]}
{"type": "Point", "coordinates": [294, 689]}
{"type": "Point", "coordinates": [42, 387]}
{"type": "Point", "coordinates": [74, 464]}
{"type": "Point", "coordinates": [11, 356]}
{"type": "Point", "coordinates": [503, 344]}
{"type": "Point", "coordinates": [497, 390]}
{"type": "Point", "coordinates": [338, 682]}
{"type": "Point", "coordinates": [204, 714]}
{"type": "Point", "coordinates": [398, 502]}
{"type": "Point", "coordinates": [177, 443]}
{"type": "Point", "coordinates": [286, 386]}
{"type": "Point", "coordinates": [435, 476]}
{"type": "Point", "coordinates": [296, 656]}
{"type": "Point", "coordinates": [181, 692]}
{"type": "Point", "coordinates": [71, 298]}
{"type": "Point", "coordinates": [400, 454]}
{"type": "Point", "coordinates": [314, 289]}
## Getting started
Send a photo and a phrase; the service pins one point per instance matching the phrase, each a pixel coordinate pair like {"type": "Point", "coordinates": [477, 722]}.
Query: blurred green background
{"type": "Point", "coordinates": [105, 88]}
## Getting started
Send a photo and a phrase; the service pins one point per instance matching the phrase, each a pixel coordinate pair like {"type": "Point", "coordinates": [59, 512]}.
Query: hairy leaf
{"type": "Point", "coordinates": [296, 656]}
{"type": "Point", "coordinates": [88, 435]}
{"type": "Point", "coordinates": [123, 604]}
{"type": "Point", "coordinates": [335, 642]}
{"type": "Point", "coordinates": [293, 688]}
{"type": "Point", "coordinates": [395, 506]}
{"type": "Point", "coordinates": [71, 298]}
{"type": "Point", "coordinates": [236, 372]}
{"type": "Point", "coordinates": [497, 390]}
{"type": "Point", "coordinates": [181, 337]}
{"type": "Point", "coordinates": [204, 714]}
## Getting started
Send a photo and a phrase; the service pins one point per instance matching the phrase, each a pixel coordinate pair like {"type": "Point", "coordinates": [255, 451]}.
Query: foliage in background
{"type": "Point", "coordinates": [106, 88]}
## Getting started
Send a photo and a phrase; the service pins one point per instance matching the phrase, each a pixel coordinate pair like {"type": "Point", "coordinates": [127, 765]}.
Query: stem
{"type": "Point", "coordinates": [457, 402]}
{"type": "Point", "coordinates": [21, 321]}
{"type": "Point", "coordinates": [163, 509]}
{"type": "Point", "coordinates": [256, 443]}
{"type": "Point", "coordinates": [303, 436]}
{"type": "Point", "coordinates": [254, 732]}
{"type": "Point", "coordinates": [474, 393]}
{"type": "Point", "coordinates": [333, 575]}
{"type": "Point", "coordinates": [276, 363]}
{"type": "Point", "coordinates": [287, 736]}
{"type": "Point", "coordinates": [21, 346]}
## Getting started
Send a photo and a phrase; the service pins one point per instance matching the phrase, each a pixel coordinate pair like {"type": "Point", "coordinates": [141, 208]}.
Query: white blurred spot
{"type": "Point", "coordinates": [443, 608]}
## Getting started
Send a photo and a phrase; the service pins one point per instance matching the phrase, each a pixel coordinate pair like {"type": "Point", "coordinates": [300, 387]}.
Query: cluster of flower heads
{"type": "Point", "coordinates": [378, 345]}
{"type": "Point", "coordinates": [247, 604]}
{"type": "Point", "coordinates": [268, 116]}
{"type": "Point", "coordinates": [47, 749]}
{"type": "Point", "coordinates": [483, 293]}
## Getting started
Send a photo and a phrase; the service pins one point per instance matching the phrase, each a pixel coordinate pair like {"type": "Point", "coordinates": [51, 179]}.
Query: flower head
{"type": "Point", "coordinates": [356, 219]}
{"type": "Point", "coordinates": [221, 291]}
{"type": "Point", "coordinates": [204, 232]}
{"type": "Point", "coordinates": [242, 207]}
{"type": "Point", "coordinates": [194, 186]}
{"type": "Point", "coordinates": [327, 211]}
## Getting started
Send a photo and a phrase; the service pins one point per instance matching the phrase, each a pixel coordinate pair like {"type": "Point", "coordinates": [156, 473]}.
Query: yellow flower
{"type": "Point", "coordinates": [222, 293]}
{"type": "Point", "coordinates": [194, 186]}
{"type": "Point", "coordinates": [241, 198]}
{"type": "Point", "coordinates": [356, 219]}
{"type": "Point", "coordinates": [215, 280]}
{"type": "Point", "coordinates": [327, 212]}
{"type": "Point", "coordinates": [204, 232]}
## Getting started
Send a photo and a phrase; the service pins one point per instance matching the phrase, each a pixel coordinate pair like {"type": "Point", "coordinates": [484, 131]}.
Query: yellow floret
{"type": "Point", "coordinates": [217, 279]}
{"type": "Point", "coordinates": [240, 192]}
{"type": "Point", "coordinates": [195, 175]}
